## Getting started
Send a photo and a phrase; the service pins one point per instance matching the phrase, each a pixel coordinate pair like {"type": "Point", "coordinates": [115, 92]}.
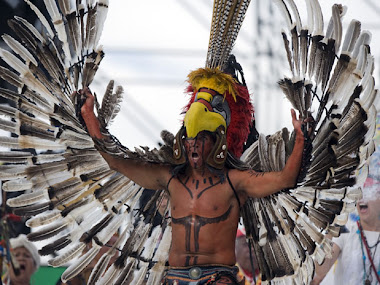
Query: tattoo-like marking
{"type": "Point", "coordinates": [204, 180]}
{"type": "Point", "coordinates": [187, 188]}
{"type": "Point", "coordinates": [197, 221]}
{"type": "Point", "coordinates": [256, 174]}
{"type": "Point", "coordinates": [188, 258]}
{"type": "Point", "coordinates": [202, 221]}
{"type": "Point", "coordinates": [197, 186]}
{"type": "Point", "coordinates": [187, 261]}
{"type": "Point", "coordinates": [186, 222]}
{"type": "Point", "coordinates": [207, 188]}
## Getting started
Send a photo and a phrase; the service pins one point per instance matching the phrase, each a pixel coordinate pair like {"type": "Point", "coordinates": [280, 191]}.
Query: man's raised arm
{"type": "Point", "coordinates": [261, 184]}
{"type": "Point", "coordinates": [148, 175]}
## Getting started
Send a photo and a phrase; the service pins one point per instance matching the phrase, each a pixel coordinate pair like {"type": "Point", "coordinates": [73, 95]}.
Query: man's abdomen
{"type": "Point", "coordinates": [199, 240]}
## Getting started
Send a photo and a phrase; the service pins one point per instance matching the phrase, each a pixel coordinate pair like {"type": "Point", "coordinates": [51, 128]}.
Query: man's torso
{"type": "Point", "coordinates": [205, 215]}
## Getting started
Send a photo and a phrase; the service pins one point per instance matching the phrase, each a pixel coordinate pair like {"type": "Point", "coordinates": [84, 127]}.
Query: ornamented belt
{"type": "Point", "coordinates": [198, 273]}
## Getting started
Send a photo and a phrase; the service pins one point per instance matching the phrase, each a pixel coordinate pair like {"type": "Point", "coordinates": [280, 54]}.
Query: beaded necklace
{"type": "Point", "coordinates": [363, 242]}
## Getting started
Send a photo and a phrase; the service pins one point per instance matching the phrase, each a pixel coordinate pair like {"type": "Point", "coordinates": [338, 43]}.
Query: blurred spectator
{"type": "Point", "coordinates": [358, 251]}
{"type": "Point", "coordinates": [247, 264]}
{"type": "Point", "coordinates": [26, 261]}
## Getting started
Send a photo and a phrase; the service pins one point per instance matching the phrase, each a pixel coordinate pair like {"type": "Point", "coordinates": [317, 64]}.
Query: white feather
{"type": "Point", "coordinates": [139, 276]}
{"type": "Point", "coordinates": [364, 39]}
{"type": "Point", "coordinates": [28, 199]}
{"type": "Point", "coordinates": [42, 18]}
{"type": "Point", "coordinates": [105, 234]}
{"type": "Point", "coordinates": [162, 252]}
{"type": "Point", "coordinates": [318, 17]}
{"type": "Point", "coordinates": [354, 193]}
{"type": "Point", "coordinates": [109, 276]}
{"type": "Point", "coordinates": [59, 26]}
{"type": "Point", "coordinates": [19, 49]}
{"type": "Point", "coordinates": [38, 143]}
{"type": "Point", "coordinates": [309, 227]}
{"type": "Point", "coordinates": [341, 219]}
{"type": "Point", "coordinates": [78, 265]}
{"type": "Point", "coordinates": [296, 15]}
{"type": "Point", "coordinates": [68, 255]}
{"type": "Point", "coordinates": [284, 13]}
{"type": "Point", "coordinates": [151, 243]}
{"type": "Point", "coordinates": [17, 185]}
{"type": "Point", "coordinates": [12, 172]}
{"type": "Point", "coordinates": [351, 36]}
{"type": "Point", "coordinates": [13, 62]}
{"type": "Point", "coordinates": [43, 218]}
{"type": "Point", "coordinates": [310, 16]}
{"type": "Point", "coordinates": [101, 16]}
{"type": "Point", "coordinates": [35, 32]}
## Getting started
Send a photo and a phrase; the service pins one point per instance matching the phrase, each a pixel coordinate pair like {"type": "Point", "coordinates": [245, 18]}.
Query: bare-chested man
{"type": "Point", "coordinates": [204, 206]}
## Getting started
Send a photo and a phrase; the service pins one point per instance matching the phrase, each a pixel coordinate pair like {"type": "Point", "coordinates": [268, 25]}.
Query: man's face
{"type": "Point", "coordinates": [27, 266]}
{"type": "Point", "coordinates": [369, 210]}
{"type": "Point", "coordinates": [198, 149]}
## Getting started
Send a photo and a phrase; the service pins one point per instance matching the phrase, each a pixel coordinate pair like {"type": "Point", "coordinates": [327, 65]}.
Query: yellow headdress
{"type": "Point", "coordinates": [219, 103]}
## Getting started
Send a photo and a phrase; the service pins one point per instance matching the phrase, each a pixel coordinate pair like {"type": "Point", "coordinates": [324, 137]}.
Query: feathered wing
{"type": "Point", "coordinates": [76, 202]}
{"type": "Point", "coordinates": [74, 199]}
{"type": "Point", "coordinates": [331, 80]}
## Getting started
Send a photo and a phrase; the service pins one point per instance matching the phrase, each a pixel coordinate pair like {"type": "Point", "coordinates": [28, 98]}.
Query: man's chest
{"type": "Point", "coordinates": [206, 196]}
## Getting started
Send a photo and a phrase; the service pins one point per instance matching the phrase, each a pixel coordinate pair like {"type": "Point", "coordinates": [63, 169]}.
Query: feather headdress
{"type": "Point", "coordinates": [219, 78]}
{"type": "Point", "coordinates": [237, 97]}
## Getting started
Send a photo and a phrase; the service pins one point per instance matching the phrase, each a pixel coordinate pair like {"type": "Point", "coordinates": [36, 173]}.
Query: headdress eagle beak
{"type": "Point", "coordinates": [199, 118]}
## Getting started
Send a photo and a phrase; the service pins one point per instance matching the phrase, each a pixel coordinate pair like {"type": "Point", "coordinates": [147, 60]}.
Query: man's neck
{"type": "Point", "coordinates": [199, 172]}
{"type": "Point", "coordinates": [372, 225]}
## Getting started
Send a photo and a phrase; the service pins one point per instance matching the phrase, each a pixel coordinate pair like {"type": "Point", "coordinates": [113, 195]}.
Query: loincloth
{"type": "Point", "coordinates": [201, 275]}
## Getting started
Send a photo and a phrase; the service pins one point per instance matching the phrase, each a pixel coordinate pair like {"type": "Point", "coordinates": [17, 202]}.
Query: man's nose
{"type": "Point", "coordinates": [191, 142]}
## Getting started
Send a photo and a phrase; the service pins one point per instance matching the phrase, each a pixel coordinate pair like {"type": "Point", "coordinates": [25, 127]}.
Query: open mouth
{"type": "Point", "coordinates": [22, 267]}
{"type": "Point", "coordinates": [195, 158]}
{"type": "Point", "coordinates": [363, 207]}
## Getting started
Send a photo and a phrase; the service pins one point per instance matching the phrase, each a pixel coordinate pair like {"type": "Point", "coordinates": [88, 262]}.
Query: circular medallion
{"type": "Point", "coordinates": [195, 273]}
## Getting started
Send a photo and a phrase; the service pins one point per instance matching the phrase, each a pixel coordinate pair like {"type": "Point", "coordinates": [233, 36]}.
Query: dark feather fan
{"type": "Point", "coordinates": [335, 81]}
{"type": "Point", "coordinates": [76, 203]}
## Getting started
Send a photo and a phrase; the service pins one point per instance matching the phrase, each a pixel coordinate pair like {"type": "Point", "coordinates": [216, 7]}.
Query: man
{"type": "Point", "coordinates": [205, 188]}
{"type": "Point", "coordinates": [355, 249]}
{"type": "Point", "coordinates": [27, 258]}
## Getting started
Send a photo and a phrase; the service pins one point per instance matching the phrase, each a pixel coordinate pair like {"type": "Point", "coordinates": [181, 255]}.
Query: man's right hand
{"type": "Point", "coordinates": [89, 101]}
{"type": "Point", "coordinates": [87, 112]}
